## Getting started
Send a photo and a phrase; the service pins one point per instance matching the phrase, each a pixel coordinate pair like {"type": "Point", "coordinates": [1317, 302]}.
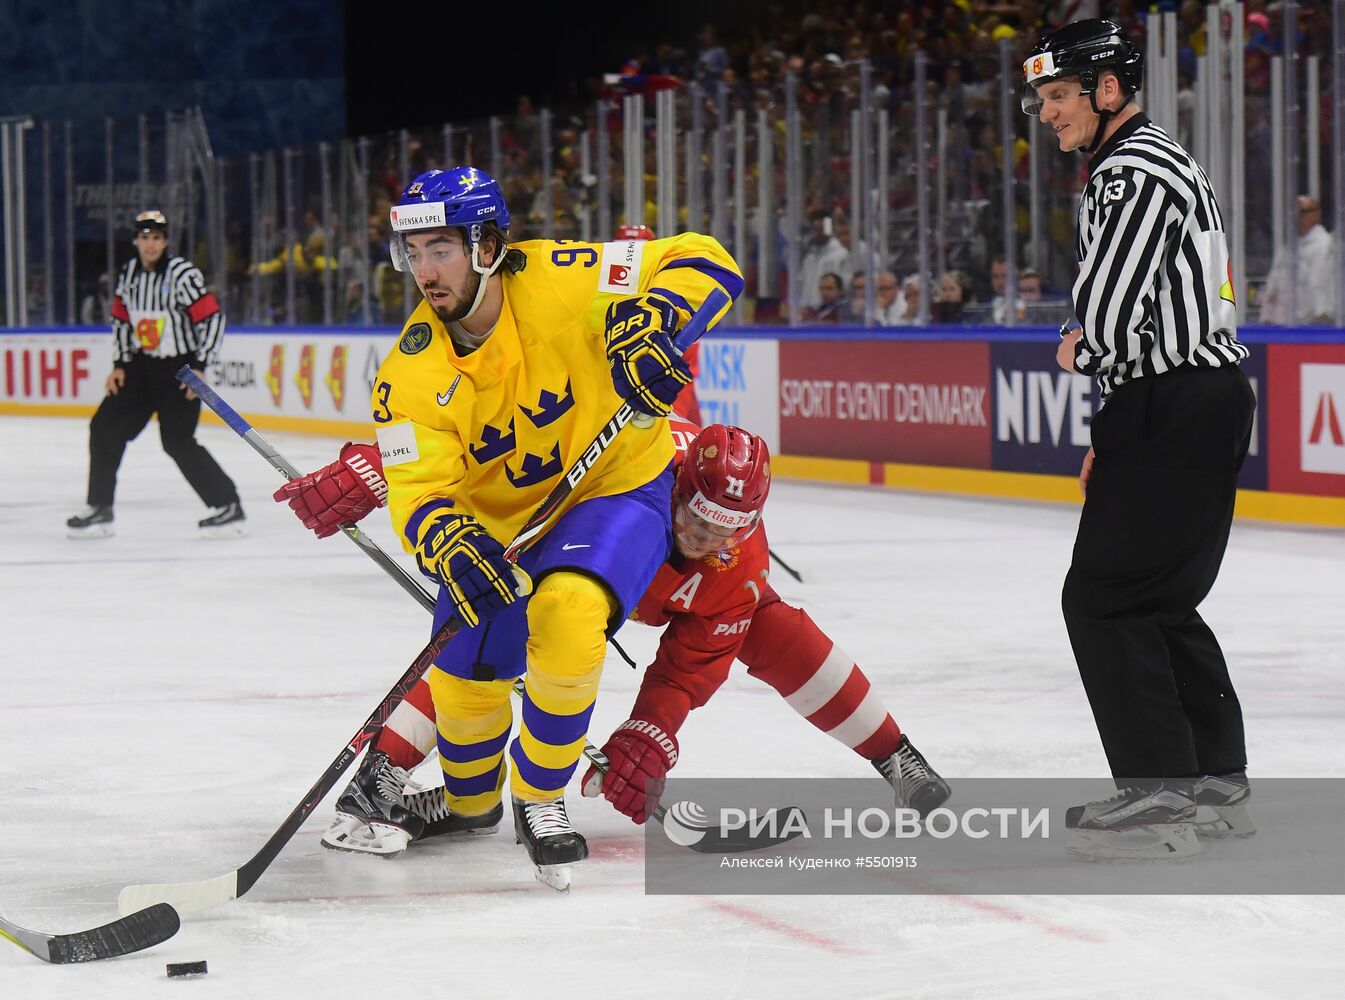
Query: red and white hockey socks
{"type": "Point", "coordinates": [410, 732]}
{"type": "Point", "coordinates": [819, 680]}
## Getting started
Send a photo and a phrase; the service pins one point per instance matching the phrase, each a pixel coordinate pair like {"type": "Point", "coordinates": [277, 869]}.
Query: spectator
{"type": "Point", "coordinates": [948, 301]}
{"type": "Point", "coordinates": [888, 301]}
{"type": "Point", "coordinates": [94, 310]}
{"type": "Point", "coordinates": [1029, 286]}
{"type": "Point", "coordinates": [1315, 290]}
{"type": "Point", "coordinates": [857, 286]}
{"type": "Point", "coordinates": [910, 295]}
{"type": "Point", "coordinates": [889, 305]}
{"type": "Point", "coordinates": [1262, 45]}
{"type": "Point", "coordinates": [824, 255]}
{"type": "Point", "coordinates": [834, 307]}
{"type": "Point", "coordinates": [713, 60]}
{"type": "Point", "coordinates": [999, 279]}
{"type": "Point", "coordinates": [355, 303]}
{"type": "Point", "coordinates": [857, 251]}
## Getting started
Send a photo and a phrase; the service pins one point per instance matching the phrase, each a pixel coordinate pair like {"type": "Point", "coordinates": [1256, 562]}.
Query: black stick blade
{"type": "Point", "coordinates": [142, 929]}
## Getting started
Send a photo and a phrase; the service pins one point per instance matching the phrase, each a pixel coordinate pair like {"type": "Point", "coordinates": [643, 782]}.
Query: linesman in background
{"type": "Point", "coordinates": [1155, 324]}
{"type": "Point", "coordinates": [162, 318]}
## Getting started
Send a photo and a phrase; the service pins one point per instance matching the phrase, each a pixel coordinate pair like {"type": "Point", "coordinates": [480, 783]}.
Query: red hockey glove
{"type": "Point", "coordinates": [641, 755]}
{"type": "Point", "coordinates": [340, 493]}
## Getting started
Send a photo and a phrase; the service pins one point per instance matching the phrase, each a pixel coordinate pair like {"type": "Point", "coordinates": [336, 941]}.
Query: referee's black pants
{"type": "Point", "coordinates": [152, 387]}
{"type": "Point", "coordinates": [1151, 537]}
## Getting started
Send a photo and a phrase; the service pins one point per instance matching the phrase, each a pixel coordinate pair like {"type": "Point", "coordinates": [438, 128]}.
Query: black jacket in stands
{"type": "Point", "coordinates": [1154, 290]}
{"type": "Point", "coordinates": [165, 313]}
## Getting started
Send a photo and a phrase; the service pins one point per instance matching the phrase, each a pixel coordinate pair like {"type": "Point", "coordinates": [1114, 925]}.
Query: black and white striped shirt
{"type": "Point", "coordinates": [165, 313]}
{"type": "Point", "coordinates": [1154, 290]}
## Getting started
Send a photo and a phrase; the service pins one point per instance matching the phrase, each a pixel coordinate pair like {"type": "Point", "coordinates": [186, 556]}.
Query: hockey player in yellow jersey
{"type": "Point", "coordinates": [514, 359]}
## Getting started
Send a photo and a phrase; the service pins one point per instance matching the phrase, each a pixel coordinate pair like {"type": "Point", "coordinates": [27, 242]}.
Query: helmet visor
{"type": "Point", "coordinates": [441, 248]}
{"type": "Point", "coordinates": [1038, 68]}
{"type": "Point", "coordinates": [697, 536]}
{"type": "Point", "coordinates": [1035, 98]}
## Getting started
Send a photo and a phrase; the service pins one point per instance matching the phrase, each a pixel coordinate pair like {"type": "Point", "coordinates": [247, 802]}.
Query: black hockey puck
{"type": "Point", "coordinates": [176, 969]}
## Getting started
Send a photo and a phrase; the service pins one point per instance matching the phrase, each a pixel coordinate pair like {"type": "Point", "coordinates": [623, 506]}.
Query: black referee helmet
{"type": "Point", "coordinates": [1080, 50]}
{"type": "Point", "coordinates": [151, 221]}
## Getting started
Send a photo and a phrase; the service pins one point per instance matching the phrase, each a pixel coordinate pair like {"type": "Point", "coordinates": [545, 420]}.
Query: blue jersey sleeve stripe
{"type": "Point", "coordinates": [414, 522]}
{"type": "Point", "coordinates": [679, 301]}
{"type": "Point", "coordinates": [731, 283]}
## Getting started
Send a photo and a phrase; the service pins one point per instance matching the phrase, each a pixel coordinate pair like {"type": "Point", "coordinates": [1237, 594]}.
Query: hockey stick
{"type": "Point", "coordinates": [142, 929]}
{"type": "Point", "coordinates": [240, 426]}
{"type": "Point", "coordinates": [191, 897]}
{"type": "Point", "coordinates": [277, 461]}
{"type": "Point", "coordinates": [788, 568]}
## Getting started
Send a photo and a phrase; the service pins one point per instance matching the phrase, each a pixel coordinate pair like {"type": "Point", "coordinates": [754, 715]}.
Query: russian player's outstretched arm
{"type": "Point", "coordinates": [693, 660]}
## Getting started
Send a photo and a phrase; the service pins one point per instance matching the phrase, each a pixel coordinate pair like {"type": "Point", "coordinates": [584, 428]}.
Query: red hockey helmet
{"type": "Point", "coordinates": [634, 233]}
{"type": "Point", "coordinates": [721, 488]}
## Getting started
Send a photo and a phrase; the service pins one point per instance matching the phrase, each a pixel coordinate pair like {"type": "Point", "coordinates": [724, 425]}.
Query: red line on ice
{"type": "Point", "coordinates": [1050, 926]}
{"type": "Point", "coordinates": [782, 927]}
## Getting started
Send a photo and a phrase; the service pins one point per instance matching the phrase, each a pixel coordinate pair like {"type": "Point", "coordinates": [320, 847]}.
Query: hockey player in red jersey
{"type": "Point", "coordinates": [714, 597]}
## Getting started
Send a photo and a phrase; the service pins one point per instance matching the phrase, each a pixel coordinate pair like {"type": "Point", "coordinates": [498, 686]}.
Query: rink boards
{"type": "Point", "coordinates": [980, 411]}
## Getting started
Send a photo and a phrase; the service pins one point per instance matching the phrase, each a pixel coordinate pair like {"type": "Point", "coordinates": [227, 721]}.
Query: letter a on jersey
{"type": "Point", "coordinates": [686, 593]}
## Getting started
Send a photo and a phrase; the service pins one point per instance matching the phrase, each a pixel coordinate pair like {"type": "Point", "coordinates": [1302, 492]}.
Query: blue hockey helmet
{"type": "Point", "coordinates": [462, 197]}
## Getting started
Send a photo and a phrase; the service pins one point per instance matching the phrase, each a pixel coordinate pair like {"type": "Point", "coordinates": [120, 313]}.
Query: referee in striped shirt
{"type": "Point", "coordinates": [162, 318]}
{"type": "Point", "coordinates": [1155, 324]}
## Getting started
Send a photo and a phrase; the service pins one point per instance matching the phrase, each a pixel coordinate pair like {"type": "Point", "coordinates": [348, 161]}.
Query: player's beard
{"type": "Point", "coordinates": [463, 297]}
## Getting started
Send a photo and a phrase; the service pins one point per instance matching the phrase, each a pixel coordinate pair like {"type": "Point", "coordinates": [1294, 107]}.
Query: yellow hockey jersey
{"type": "Point", "coordinates": [494, 430]}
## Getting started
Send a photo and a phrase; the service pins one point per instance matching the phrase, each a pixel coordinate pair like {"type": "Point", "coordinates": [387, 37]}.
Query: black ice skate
{"type": "Point", "coordinates": [441, 821]}
{"type": "Point", "coordinates": [917, 784]}
{"type": "Point", "coordinates": [1149, 823]}
{"type": "Point", "coordinates": [228, 521]}
{"type": "Point", "coordinates": [553, 844]}
{"type": "Point", "coordinates": [1221, 806]}
{"type": "Point", "coordinates": [372, 814]}
{"type": "Point", "coordinates": [95, 522]}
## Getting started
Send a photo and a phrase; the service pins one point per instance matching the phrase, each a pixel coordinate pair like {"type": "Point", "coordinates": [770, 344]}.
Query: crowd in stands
{"type": "Point", "coordinates": [821, 44]}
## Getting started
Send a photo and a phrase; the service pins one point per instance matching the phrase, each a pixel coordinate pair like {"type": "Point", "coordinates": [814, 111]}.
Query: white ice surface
{"type": "Point", "coordinates": [167, 701]}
